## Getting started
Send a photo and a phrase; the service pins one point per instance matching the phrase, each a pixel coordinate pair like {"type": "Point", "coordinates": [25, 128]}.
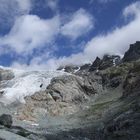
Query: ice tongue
{"type": "Point", "coordinates": [26, 83]}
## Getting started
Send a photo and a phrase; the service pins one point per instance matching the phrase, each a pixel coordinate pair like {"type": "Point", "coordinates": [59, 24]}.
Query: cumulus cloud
{"type": "Point", "coordinates": [132, 10]}
{"type": "Point", "coordinates": [11, 9]}
{"type": "Point", "coordinates": [114, 42]}
{"type": "Point", "coordinates": [80, 23]}
{"type": "Point", "coordinates": [52, 4]}
{"type": "Point", "coordinates": [24, 5]}
{"type": "Point", "coordinates": [30, 32]}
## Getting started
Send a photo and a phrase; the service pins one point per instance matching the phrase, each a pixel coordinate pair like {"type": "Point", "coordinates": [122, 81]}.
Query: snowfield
{"type": "Point", "coordinates": [26, 83]}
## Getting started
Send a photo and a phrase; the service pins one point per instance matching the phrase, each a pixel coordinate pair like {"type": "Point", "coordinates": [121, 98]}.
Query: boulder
{"type": "Point", "coordinates": [6, 120]}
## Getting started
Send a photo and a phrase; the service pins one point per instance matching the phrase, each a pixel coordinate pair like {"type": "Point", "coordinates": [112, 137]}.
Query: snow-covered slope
{"type": "Point", "coordinates": [25, 83]}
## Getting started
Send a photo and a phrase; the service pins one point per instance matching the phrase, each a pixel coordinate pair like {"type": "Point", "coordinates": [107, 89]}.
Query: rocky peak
{"type": "Point", "coordinates": [95, 65]}
{"type": "Point", "coordinates": [106, 62]}
{"type": "Point", "coordinates": [133, 53]}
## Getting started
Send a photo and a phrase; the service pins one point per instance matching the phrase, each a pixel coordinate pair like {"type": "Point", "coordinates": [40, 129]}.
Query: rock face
{"type": "Point", "coordinates": [133, 53]}
{"type": "Point", "coordinates": [6, 120]}
{"type": "Point", "coordinates": [70, 88]}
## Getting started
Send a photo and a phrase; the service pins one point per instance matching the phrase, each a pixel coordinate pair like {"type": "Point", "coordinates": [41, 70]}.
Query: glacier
{"type": "Point", "coordinates": [26, 83]}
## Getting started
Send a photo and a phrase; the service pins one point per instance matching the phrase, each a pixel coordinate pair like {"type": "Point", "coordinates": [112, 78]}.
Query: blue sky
{"type": "Point", "coordinates": [45, 34]}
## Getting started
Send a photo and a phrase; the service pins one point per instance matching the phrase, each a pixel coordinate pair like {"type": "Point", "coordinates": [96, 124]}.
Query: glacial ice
{"type": "Point", "coordinates": [26, 83]}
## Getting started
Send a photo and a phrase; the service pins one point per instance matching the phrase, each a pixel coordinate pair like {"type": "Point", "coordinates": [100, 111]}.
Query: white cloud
{"type": "Point", "coordinates": [11, 9]}
{"type": "Point", "coordinates": [24, 5]}
{"type": "Point", "coordinates": [133, 9]}
{"type": "Point", "coordinates": [38, 63]}
{"type": "Point", "coordinates": [30, 32]}
{"type": "Point", "coordinates": [52, 4]}
{"type": "Point", "coordinates": [80, 23]}
{"type": "Point", "coordinates": [114, 42]}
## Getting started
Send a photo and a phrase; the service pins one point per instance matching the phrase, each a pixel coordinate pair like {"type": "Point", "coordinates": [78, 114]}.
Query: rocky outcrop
{"type": "Point", "coordinates": [133, 53]}
{"type": "Point", "coordinates": [69, 88]}
{"type": "Point", "coordinates": [64, 95]}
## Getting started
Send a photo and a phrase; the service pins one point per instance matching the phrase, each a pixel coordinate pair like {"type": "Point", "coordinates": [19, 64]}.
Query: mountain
{"type": "Point", "coordinates": [98, 101]}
